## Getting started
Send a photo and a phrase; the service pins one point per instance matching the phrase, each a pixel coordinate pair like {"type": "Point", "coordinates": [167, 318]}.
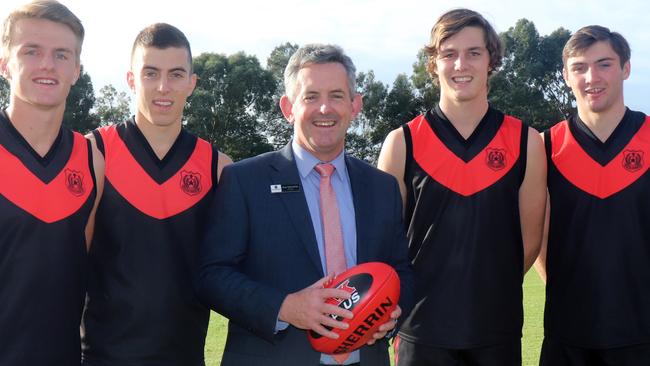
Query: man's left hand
{"type": "Point", "coordinates": [386, 327]}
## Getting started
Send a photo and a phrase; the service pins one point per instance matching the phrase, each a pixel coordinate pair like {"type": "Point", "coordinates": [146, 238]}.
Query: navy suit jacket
{"type": "Point", "coordinates": [261, 246]}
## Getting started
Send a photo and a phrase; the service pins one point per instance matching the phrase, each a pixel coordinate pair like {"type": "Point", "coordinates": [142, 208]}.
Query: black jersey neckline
{"type": "Point", "coordinates": [45, 168]}
{"type": "Point", "coordinates": [160, 170]}
{"type": "Point", "coordinates": [603, 152]}
{"type": "Point", "coordinates": [465, 149]}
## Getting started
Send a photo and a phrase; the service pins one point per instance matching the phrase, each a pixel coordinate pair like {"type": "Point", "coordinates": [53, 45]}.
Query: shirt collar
{"type": "Point", "coordinates": [306, 161]}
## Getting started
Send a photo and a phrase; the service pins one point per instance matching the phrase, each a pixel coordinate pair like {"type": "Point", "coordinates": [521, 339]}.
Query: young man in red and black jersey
{"type": "Point", "coordinates": [597, 256]}
{"type": "Point", "coordinates": [473, 185]}
{"type": "Point", "coordinates": [47, 190]}
{"type": "Point", "coordinates": [159, 178]}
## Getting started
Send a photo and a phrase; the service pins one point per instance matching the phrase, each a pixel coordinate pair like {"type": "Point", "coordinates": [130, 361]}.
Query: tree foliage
{"type": "Point", "coordinates": [78, 105]}
{"type": "Point", "coordinates": [428, 92]}
{"type": "Point", "coordinates": [231, 95]}
{"type": "Point", "coordinates": [4, 93]}
{"type": "Point", "coordinates": [529, 84]}
{"type": "Point", "coordinates": [112, 106]}
{"type": "Point", "coordinates": [278, 130]}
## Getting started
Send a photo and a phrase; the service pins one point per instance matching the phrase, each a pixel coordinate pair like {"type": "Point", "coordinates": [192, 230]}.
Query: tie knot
{"type": "Point", "coordinates": [325, 169]}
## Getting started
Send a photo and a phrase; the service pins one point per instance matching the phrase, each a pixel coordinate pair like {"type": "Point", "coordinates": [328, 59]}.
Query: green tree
{"type": "Point", "coordinates": [427, 92]}
{"type": "Point", "coordinates": [112, 106]}
{"type": "Point", "coordinates": [231, 95]}
{"type": "Point", "coordinates": [374, 100]}
{"type": "Point", "coordinates": [80, 101]}
{"type": "Point", "coordinates": [277, 129]}
{"type": "Point", "coordinates": [4, 93]}
{"type": "Point", "coordinates": [359, 140]}
{"type": "Point", "coordinates": [402, 105]}
{"type": "Point", "coordinates": [529, 84]}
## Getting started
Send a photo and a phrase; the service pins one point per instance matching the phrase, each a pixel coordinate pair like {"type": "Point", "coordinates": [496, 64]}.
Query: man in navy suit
{"type": "Point", "coordinates": [262, 260]}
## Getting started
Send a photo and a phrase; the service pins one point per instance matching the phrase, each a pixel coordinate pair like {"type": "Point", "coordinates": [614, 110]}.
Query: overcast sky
{"type": "Point", "coordinates": [383, 35]}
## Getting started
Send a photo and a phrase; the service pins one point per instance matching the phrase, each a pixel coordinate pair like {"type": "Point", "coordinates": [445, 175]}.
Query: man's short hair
{"type": "Point", "coordinates": [317, 53]}
{"type": "Point", "coordinates": [43, 9]}
{"type": "Point", "coordinates": [585, 37]}
{"type": "Point", "coordinates": [451, 23]}
{"type": "Point", "coordinates": [161, 36]}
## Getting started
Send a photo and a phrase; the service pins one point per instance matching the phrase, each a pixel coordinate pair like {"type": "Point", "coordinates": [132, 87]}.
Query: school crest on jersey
{"type": "Point", "coordinates": [495, 158]}
{"type": "Point", "coordinates": [632, 160]}
{"type": "Point", "coordinates": [191, 182]}
{"type": "Point", "coordinates": [74, 180]}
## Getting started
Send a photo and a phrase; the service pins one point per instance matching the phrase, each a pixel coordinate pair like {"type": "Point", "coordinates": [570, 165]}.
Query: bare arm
{"type": "Point", "coordinates": [98, 164]}
{"type": "Point", "coordinates": [532, 199]}
{"type": "Point", "coordinates": [540, 263]}
{"type": "Point", "coordinates": [392, 159]}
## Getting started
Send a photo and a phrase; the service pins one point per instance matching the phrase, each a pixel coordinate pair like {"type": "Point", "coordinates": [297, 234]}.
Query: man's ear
{"type": "Point", "coordinates": [193, 79]}
{"type": "Point", "coordinates": [130, 80]}
{"type": "Point", "coordinates": [357, 105]}
{"type": "Point", "coordinates": [627, 68]}
{"type": "Point", "coordinates": [287, 108]}
{"type": "Point", "coordinates": [77, 74]}
{"type": "Point", "coordinates": [4, 69]}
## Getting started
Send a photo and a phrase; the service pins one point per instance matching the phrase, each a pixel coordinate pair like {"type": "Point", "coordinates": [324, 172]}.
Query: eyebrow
{"type": "Point", "coordinates": [38, 46]}
{"type": "Point", "coordinates": [577, 63]}
{"type": "Point", "coordinates": [605, 59]}
{"type": "Point", "coordinates": [473, 48]}
{"type": "Point", "coordinates": [179, 68]}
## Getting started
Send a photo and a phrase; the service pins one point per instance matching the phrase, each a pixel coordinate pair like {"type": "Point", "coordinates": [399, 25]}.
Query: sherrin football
{"type": "Point", "coordinates": [374, 292]}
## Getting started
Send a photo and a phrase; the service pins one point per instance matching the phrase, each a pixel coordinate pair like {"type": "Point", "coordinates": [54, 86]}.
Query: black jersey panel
{"type": "Point", "coordinates": [43, 270]}
{"type": "Point", "coordinates": [467, 253]}
{"type": "Point", "coordinates": [141, 304]}
{"type": "Point", "coordinates": [598, 260]}
{"type": "Point", "coordinates": [141, 307]}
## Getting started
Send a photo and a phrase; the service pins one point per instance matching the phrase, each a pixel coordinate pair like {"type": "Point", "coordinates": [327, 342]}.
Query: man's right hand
{"type": "Point", "coordinates": [306, 309]}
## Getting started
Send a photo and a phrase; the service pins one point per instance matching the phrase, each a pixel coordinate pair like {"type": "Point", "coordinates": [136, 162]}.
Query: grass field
{"type": "Point", "coordinates": [531, 343]}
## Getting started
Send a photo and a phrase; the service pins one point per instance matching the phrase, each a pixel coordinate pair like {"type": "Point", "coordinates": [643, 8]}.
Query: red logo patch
{"type": "Point", "coordinates": [191, 183]}
{"type": "Point", "coordinates": [74, 180]}
{"type": "Point", "coordinates": [345, 287]}
{"type": "Point", "coordinates": [632, 160]}
{"type": "Point", "coordinates": [495, 158]}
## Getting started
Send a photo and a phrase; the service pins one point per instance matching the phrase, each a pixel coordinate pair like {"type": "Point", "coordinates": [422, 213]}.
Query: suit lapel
{"type": "Point", "coordinates": [362, 207]}
{"type": "Point", "coordinates": [285, 171]}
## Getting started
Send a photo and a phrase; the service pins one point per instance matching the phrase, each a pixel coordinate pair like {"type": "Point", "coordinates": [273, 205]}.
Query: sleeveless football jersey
{"type": "Point", "coordinates": [44, 207]}
{"type": "Point", "coordinates": [598, 259]}
{"type": "Point", "coordinates": [141, 307]}
{"type": "Point", "coordinates": [462, 217]}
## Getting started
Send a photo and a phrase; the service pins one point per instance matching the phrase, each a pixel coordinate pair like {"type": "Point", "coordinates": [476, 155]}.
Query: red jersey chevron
{"type": "Point", "coordinates": [485, 169]}
{"type": "Point", "coordinates": [588, 175]}
{"type": "Point", "coordinates": [53, 201]}
{"type": "Point", "coordinates": [180, 192]}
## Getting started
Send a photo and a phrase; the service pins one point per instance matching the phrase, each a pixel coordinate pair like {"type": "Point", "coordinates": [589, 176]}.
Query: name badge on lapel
{"type": "Point", "coordinates": [285, 188]}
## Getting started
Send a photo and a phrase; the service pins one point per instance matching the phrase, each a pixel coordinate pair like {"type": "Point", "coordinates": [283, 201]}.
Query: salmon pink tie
{"type": "Point", "coordinates": [332, 233]}
{"type": "Point", "coordinates": [331, 222]}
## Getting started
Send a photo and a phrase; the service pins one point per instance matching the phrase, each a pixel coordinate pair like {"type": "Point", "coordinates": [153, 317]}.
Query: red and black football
{"type": "Point", "coordinates": [374, 292]}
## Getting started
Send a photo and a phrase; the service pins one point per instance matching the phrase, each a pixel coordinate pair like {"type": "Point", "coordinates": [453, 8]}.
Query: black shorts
{"type": "Point", "coordinates": [555, 353]}
{"type": "Point", "coordinates": [413, 354]}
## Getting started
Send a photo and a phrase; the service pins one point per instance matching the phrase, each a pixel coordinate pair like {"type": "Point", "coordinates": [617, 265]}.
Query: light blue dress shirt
{"type": "Point", "coordinates": [310, 182]}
